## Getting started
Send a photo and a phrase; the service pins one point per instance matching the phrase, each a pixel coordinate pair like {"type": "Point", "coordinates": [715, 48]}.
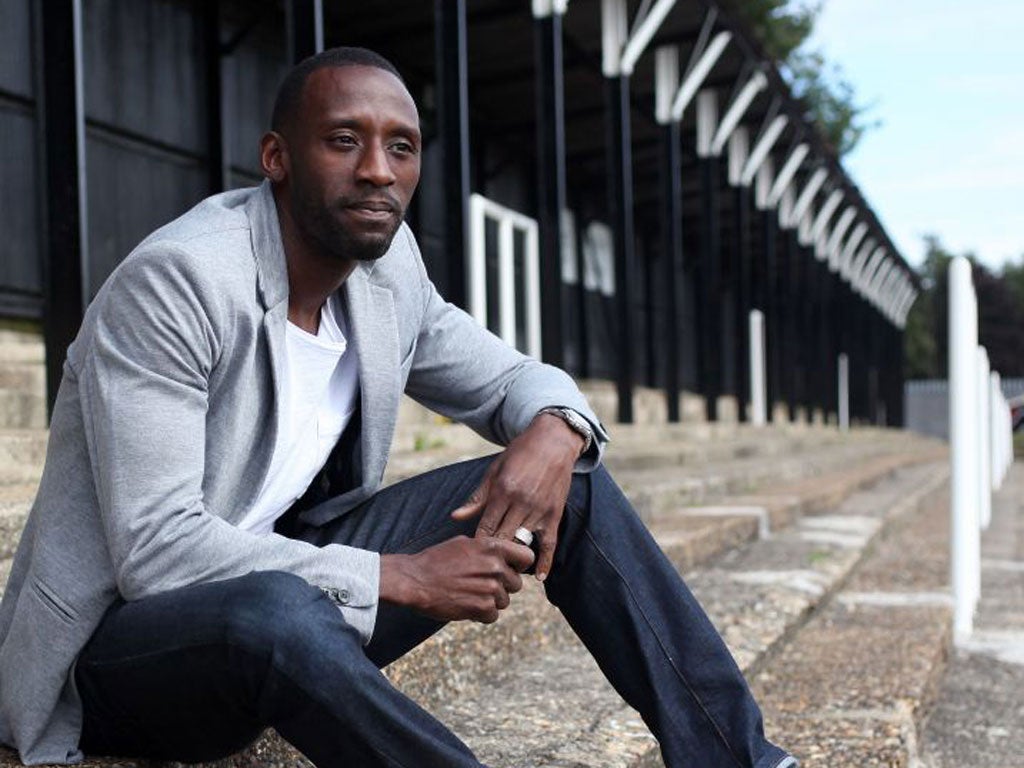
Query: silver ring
{"type": "Point", "coordinates": [524, 536]}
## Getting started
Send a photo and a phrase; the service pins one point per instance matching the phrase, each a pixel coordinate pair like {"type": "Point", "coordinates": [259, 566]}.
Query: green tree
{"type": "Point", "coordinates": [1013, 275]}
{"type": "Point", "coordinates": [784, 27]}
{"type": "Point", "coordinates": [1000, 315]}
{"type": "Point", "coordinates": [926, 333]}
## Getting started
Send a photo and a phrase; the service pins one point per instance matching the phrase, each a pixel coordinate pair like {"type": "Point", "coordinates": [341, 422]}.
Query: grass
{"type": "Point", "coordinates": [422, 442]}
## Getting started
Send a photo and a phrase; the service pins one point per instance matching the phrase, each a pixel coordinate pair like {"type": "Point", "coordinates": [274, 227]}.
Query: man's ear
{"type": "Point", "coordinates": [274, 156]}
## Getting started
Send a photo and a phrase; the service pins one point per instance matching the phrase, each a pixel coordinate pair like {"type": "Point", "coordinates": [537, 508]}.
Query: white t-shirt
{"type": "Point", "coordinates": [317, 399]}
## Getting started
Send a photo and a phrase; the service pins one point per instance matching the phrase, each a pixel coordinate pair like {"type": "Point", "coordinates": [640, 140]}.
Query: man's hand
{"type": "Point", "coordinates": [461, 578]}
{"type": "Point", "coordinates": [527, 486]}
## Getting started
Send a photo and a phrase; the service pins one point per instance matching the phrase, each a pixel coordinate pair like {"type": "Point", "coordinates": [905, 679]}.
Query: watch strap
{"type": "Point", "coordinates": [576, 423]}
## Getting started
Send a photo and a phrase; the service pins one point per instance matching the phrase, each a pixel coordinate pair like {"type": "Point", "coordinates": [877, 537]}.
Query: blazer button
{"type": "Point", "coordinates": [342, 596]}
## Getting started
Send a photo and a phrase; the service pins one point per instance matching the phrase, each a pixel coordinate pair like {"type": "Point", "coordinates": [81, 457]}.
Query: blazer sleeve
{"type": "Point", "coordinates": [143, 384]}
{"type": "Point", "coordinates": [465, 372]}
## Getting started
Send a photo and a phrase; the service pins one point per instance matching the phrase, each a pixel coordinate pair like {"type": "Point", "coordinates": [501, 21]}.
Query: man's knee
{"type": "Point", "coordinates": [596, 494]}
{"type": "Point", "coordinates": [269, 611]}
{"type": "Point", "coordinates": [597, 484]}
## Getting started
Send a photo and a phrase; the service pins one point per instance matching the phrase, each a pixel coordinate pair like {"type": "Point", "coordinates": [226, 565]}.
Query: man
{"type": "Point", "coordinates": [189, 575]}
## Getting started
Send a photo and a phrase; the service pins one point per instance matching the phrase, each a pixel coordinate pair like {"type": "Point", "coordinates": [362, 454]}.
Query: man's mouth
{"type": "Point", "coordinates": [373, 209]}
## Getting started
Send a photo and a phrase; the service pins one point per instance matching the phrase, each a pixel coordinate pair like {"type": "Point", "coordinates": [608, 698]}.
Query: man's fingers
{"type": "Point", "coordinates": [518, 556]}
{"type": "Point", "coordinates": [492, 520]}
{"type": "Point", "coordinates": [474, 505]}
{"type": "Point", "coordinates": [545, 555]}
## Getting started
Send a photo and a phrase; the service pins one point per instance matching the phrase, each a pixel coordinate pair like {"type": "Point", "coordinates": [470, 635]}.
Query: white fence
{"type": "Point", "coordinates": [981, 443]}
{"type": "Point", "coordinates": [508, 222]}
{"type": "Point", "coordinates": [926, 403]}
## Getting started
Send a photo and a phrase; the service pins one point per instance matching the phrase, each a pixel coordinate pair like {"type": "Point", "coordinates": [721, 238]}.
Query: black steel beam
{"type": "Point", "coordinates": [814, 337]}
{"type": "Point", "coordinates": [709, 310]}
{"type": "Point", "coordinates": [901, 375]}
{"type": "Point", "coordinates": [450, 50]}
{"type": "Point", "coordinates": [770, 306]}
{"type": "Point", "coordinates": [743, 280]}
{"type": "Point", "coordinates": [789, 269]}
{"type": "Point", "coordinates": [551, 183]}
{"type": "Point", "coordinates": [62, 124]}
{"type": "Point", "coordinates": [216, 165]}
{"type": "Point", "coordinates": [830, 350]}
{"type": "Point", "coordinates": [620, 208]}
{"type": "Point", "coordinates": [806, 333]}
{"type": "Point", "coordinates": [305, 28]}
{"type": "Point", "coordinates": [672, 254]}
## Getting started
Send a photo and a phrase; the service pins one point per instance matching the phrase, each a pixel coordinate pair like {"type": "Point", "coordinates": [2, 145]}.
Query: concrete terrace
{"type": "Point", "coordinates": [821, 556]}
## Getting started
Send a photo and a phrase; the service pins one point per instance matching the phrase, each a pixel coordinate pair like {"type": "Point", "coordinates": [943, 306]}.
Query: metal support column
{"type": "Point", "coordinates": [305, 20]}
{"type": "Point", "coordinates": [773, 317]}
{"type": "Point", "coordinates": [453, 121]}
{"type": "Point", "coordinates": [744, 283]}
{"type": "Point", "coordinates": [620, 208]}
{"type": "Point", "coordinates": [216, 165]}
{"type": "Point", "coordinates": [788, 302]}
{"type": "Point", "coordinates": [62, 124]}
{"type": "Point", "coordinates": [672, 251]}
{"type": "Point", "coordinates": [899, 419]}
{"type": "Point", "coordinates": [826, 360]}
{"type": "Point", "coordinates": [807, 333]}
{"type": "Point", "coordinates": [709, 289]}
{"type": "Point", "coordinates": [549, 88]}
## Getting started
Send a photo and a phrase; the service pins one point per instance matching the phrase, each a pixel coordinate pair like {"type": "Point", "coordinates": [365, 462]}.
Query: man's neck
{"type": "Point", "coordinates": [312, 275]}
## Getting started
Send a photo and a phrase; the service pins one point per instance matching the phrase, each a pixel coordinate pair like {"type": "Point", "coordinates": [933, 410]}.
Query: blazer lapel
{"type": "Point", "coordinates": [375, 328]}
{"type": "Point", "coordinates": [272, 287]}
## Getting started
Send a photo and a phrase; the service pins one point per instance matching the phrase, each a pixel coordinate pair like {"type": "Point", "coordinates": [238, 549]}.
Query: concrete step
{"type": "Point", "coordinates": [21, 347]}
{"type": "Point", "coordinates": [419, 429]}
{"type": "Point", "coordinates": [524, 693]}
{"type": "Point", "coordinates": [465, 660]}
{"type": "Point", "coordinates": [852, 686]}
{"type": "Point", "coordinates": [546, 703]}
{"type": "Point", "coordinates": [640, 448]}
{"type": "Point", "coordinates": [22, 453]}
{"type": "Point", "coordinates": [15, 501]}
{"type": "Point", "coordinates": [978, 717]}
{"type": "Point", "coordinates": [22, 376]}
{"type": "Point", "coordinates": [653, 491]}
{"type": "Point", "coordinates": [22, 410]}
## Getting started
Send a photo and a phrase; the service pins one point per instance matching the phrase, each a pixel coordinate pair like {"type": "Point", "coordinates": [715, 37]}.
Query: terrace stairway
{"type": "Point", "coordinates": [819, 555]}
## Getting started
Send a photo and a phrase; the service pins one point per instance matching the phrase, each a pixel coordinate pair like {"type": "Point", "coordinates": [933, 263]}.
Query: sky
{"type": "Point", "coordinates": [945, 78]}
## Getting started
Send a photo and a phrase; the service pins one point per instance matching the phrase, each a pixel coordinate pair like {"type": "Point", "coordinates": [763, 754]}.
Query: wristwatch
{"type": "Point", "coordinates": [576, 423]}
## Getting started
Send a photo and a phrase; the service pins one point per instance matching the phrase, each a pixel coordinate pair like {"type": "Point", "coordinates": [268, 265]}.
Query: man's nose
{"type": "Point", "coordinates": [375, 167]}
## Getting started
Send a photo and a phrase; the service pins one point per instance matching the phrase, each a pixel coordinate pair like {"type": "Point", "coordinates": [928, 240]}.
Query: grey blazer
{"type": "Point", "coordinates": [165, 423]}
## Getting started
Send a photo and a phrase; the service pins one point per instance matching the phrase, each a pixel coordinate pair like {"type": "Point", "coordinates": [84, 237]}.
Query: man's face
{"type": "Point", "coordinates": [354, 160]}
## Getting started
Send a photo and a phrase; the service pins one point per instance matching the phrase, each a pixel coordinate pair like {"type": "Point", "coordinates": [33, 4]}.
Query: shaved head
{"type": "Point", "coordinates": [289, 94]}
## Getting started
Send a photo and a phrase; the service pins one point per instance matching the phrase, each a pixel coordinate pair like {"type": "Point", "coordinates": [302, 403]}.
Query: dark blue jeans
{"type": "Point", "coordinates": [197, 673]}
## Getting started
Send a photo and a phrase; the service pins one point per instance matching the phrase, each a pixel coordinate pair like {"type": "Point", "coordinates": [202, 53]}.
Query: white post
{"type": "Point", "coordinates": [1007, 436]}
{"type": "Point", "coordinates": [963, 434]}
{"type": "Point", "coordinates": [477, 261]}
{"type": "Point", "coordinates": [844, 392]}
{"type": "Point", "coordinates": [996, 429]}
{"type": "Point", "coordinates": [506, 282]}
{"type": "Point", "coordinates": [758, 395]}
{"type": "Point", "coordinates": [985, 440]}
{"type": "Point", "coordinates": [1002, 433]}
{"type": "Point", "coordinates": [532, 279]}
{"type": "Point", "coordinates": [509, 223]}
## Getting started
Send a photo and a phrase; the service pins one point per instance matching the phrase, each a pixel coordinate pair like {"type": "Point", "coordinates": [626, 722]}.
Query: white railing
{"type": "Point", "coordinates": [508, 222]}
{"type": "Point", "coordinates": [981, 444]}
{"type": "Point", "coordinates": [843, 385]}
{"type": "Point", "coordinates": [758, 395]}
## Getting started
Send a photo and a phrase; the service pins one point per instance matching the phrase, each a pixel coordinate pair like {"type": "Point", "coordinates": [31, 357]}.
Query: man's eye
{"type": "Point", "coordinates": [403, 147]}
{"type": "Point", "coordinates": [343, 140]}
